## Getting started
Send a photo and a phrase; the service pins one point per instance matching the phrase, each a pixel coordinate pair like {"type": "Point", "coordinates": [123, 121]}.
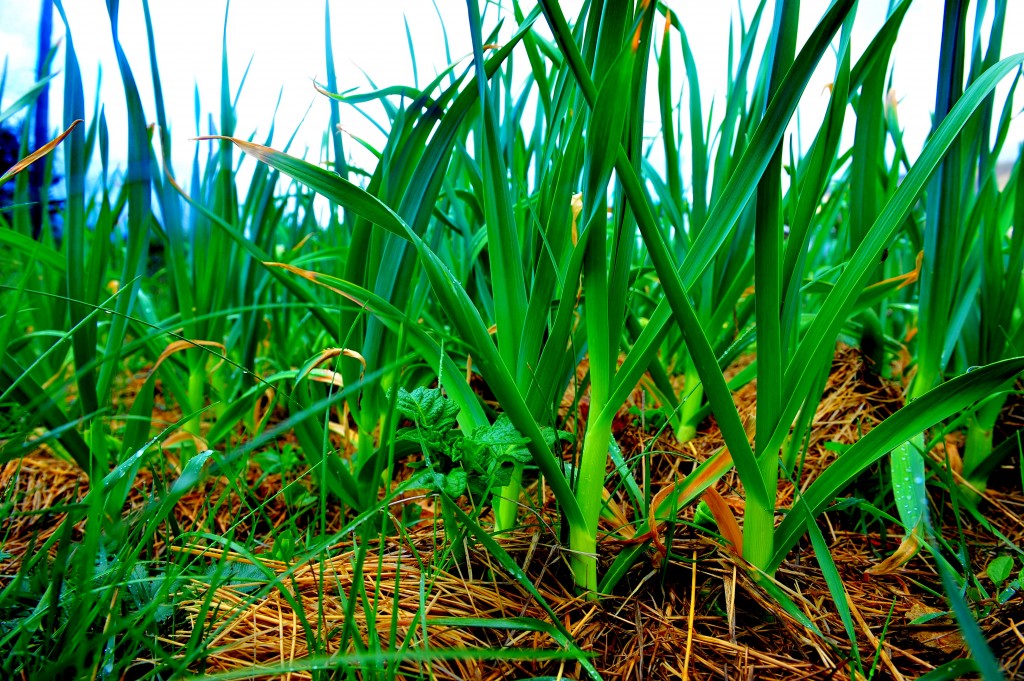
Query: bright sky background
{"type": "Point", "coordinates": [286, 43]}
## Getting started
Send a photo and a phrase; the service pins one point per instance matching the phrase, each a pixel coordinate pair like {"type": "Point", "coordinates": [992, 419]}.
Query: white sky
{"type": "Point", "coordinates": [286, 42]}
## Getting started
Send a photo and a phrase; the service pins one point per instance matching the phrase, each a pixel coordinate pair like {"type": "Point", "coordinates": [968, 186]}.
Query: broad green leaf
{"type": "Point", "coordinates": [999, 569]}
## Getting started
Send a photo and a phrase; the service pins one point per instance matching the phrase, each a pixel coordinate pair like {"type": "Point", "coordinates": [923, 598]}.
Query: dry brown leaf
{"type": "Point", "coordinates": [948, 640]}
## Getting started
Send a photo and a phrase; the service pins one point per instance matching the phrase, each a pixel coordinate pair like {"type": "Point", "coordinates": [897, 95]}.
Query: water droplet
{"type": "Point", "coordinates": [918, 480]}
{"type": "Point", "coordinates": [970, 369]}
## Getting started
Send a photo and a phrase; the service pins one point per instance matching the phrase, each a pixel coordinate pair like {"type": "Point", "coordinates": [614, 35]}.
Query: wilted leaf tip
{"type": "Point", "coordinates": [891, 103]}
{"type": "Point", "coordinates": [38, 153]}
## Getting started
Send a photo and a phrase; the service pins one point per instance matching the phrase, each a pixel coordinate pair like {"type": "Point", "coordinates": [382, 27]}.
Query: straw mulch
{"type": "Point", "coordinates": [697, 615]}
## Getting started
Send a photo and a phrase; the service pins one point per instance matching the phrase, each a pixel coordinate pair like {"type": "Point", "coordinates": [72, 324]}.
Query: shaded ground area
{"type": "Point", "coordinates": [695, 615]}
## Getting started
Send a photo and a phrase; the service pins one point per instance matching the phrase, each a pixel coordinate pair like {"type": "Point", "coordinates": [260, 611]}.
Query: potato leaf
{"type": "Point", "coordinates": [455, 462]}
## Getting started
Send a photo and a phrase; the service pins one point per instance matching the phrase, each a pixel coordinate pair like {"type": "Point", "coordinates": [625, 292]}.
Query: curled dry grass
{"type": "Point", "coordinates": [647, 631]}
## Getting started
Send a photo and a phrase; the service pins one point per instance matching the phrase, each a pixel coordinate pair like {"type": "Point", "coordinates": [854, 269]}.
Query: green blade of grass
{"type": "Point", "coordinates": [27, 99]}
{"type": "Point", "coordinates": [951, 671]}
{"type": "Point", "coordinates": [836, 588]}
{"type": "Point", "coordinates": [985, 660]}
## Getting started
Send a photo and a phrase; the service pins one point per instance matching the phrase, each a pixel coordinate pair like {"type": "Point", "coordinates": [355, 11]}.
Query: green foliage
{"type": "Point", "coordinates": [999, 569]}
{"type": "Point", "coordinates": [456, 463]}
